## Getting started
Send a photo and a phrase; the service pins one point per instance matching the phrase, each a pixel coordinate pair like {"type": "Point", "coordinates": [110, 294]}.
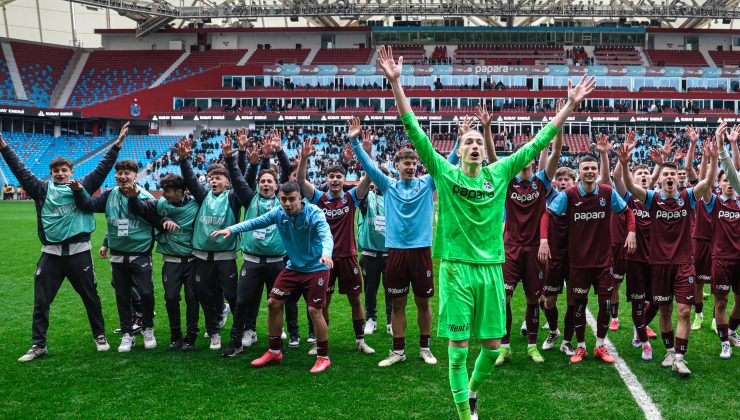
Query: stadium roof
{"type": "Point", "coordinates": [51, 21]}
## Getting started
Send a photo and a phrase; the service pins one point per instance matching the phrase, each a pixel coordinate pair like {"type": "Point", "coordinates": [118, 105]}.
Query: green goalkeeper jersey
{"type": "Point", "coordinates": [471, 210]}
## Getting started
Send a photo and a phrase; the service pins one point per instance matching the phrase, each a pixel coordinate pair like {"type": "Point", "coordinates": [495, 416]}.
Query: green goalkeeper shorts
{"type": "Point", "coordinates": [472, 301]}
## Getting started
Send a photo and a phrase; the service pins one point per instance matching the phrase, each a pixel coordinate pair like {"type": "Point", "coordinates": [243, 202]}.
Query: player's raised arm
{"type": "Point", "coordinates": [28, 180]}
{"type": "Point", "coordinates": [553, 161]}
{"type": "Point", "coordinates": [727, 163]}
{"type": "Point", "coordinates": [431, 159]}
{"type": "Point", "coordinates": [485, 120]}
{"type": "Point", "coordinates": [689, 161]}
{"type": "Point", "coordinates": [656, 157]}
{"type": "Point", "coordinates": [703, 190]}
{"type": "Point", "coordinates": [183, 149]}
{"type": "Point", "coordinates": [261, 222]}
{"type": "Point", "coordinates": [241, 188]}
{"type": "Point", "coordinates": [363, 152]}
{"type": "Point", "coordinates": [624, 153]}
{"type": "Point", "coordinates": [94, 180]}
{"type": "Point", "coordinates": [733, 137]}
{"type": "Point", "coordinates": [603, 146]}
{"type": "Point", "coordinates": [307, 189]}
{"type": "Point", "coordinates": [618, 168]}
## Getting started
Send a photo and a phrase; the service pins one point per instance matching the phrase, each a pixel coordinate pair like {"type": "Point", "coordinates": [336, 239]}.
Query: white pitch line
{"type": "Point", "coordinates": [639, 394]}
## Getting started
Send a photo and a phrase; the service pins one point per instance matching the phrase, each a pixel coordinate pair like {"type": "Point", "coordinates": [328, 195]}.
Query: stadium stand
{"type": "Point", "coordinates": [725, 58]}
{"type": "Point", "coordinates": [267, 56]}
{"type": "Point", "coordinates": [108, 74]}
{"type": "Point", "coordinates": [41, 67]}
{"type": "Point", "coordinates": [412, 53]}
{"type": "Point", "coordinates": [676, 58]}
{"type": "Point", "coordinates": [199, 61]}
{"type": "Point", "coordinates": [343, 56]}
{"type": "Point", "coordinates": [617, 56]}
{"type": "Point", "coordinates": [513, 54]}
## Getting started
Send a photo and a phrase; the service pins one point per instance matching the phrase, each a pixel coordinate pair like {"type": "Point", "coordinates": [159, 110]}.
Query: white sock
{"type": "Point", "coordinates": [645, 344]}
{"type": "Point", "coordinates": [582, 345]}
{"type": "Point", "coordinates": [506, 345]}
{"type": "Point", "coordinates": [531, 345]}
{"type": "Point", "coordinates": [679, 356]}
{"type": "Point", "coordinates": [700, 315]}
{"type": "Point", "coordinates": [599, 342]}
{"type": "Point", "coordinates": [359, 340]}
{"type": "Point", "coordinates": [274, 351]}
{"type": "Point", "coordinates": [472, 394]}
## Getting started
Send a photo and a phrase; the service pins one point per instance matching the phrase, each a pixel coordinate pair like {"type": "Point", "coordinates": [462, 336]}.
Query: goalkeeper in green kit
{"type": "Point", "coordinates": [469, 237]}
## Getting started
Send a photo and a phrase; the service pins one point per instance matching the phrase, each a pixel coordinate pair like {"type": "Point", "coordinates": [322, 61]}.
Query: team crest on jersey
{"type": "Point", "coordinates": [429, 273]}
{"type": "Point", "coordinates": [534, 185]}
{"type": "Point", "coordinates": [355, 270]}
{"type": "Point", "coordinates": [164, 279]}
{"type": "Point", "coordinates": [680, 202]}
{"type": "Point", "coordinates": [38, 270]}
{"type": "Point", "coordinates": [244, 272]}
{"type": "Point", "coordinates": [344, 200]}
{"type": "Point", "coordinates": [321, 282]}
{"type": "Point", "coordinates": [489, 187]}
{"type": "Point", "coordinates": [691, 279]}
{"type": "Point", "coordinates": [197, 278]}
{"type": "Point", "coordinates": [541, 275]}
{"type": "Point", "coordinates": [602, 202]}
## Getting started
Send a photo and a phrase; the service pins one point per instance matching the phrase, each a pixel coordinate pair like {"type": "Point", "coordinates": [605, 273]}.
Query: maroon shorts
{"type": "Point", "coordinates": [673, 280]}
{"type": "Point", "coordinates": [412, 266]}
{"type": "Point", "coordinates": [725, 276]}
{"type": "Point", "coordinates": [639, 284]}
{"type": "Point", "coordinates": [522, 265]}
{"type": "Point", "coordinates": [580, 281]}
{"type": "Point", "coordinates": [555, 274]}
{"type": "Point", "coordinates": [619, 266]}
{"type": "Point", "coordinates": [291, 284]}
{"type": "Point", "coordinates": [347, 271]}
{"type": "Point", "coordinates": [703, 260]}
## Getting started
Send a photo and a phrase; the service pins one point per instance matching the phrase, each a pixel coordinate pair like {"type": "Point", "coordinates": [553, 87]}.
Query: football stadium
{"type": "Point", "coordinates": [531, 207]}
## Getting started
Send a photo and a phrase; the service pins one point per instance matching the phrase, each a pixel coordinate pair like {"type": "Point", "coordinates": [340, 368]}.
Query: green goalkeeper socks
{"type": "Point", "coordinates": [459, 380]}
{"type": "Point", "coordinates": [483, 367]}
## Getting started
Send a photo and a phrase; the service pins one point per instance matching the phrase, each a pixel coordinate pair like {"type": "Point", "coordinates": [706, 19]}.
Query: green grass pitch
{"type": "Point", "coordinates": [75, 380]}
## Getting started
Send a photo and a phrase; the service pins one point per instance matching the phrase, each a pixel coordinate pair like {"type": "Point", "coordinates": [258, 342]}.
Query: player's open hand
{"type": "Point", "coordinates": [223, 232]}
{"type": "Point", "coordinates": [227, 147]}
{"type": "Point", "coordinates": [255, 153]}
{"type": "Point", "coordinates": [732, 136]}
{"type": "Point", "coordinates": [347, 154]}
{"type": "Point", "coordinates": [692, 133]}
{"type": "Point", "coordinates": [74, 185]}
{"type": "Point", "coordinates": [631, 243]}
{"type": "Point", "coordinates": [624, 153]}
{"type": "Point", "coordinates": [656, 156]}
{"type": "Point", "coordinates": [579, 92]}
{"type": "Point", "coordinates": [103, 253]}
{"type": "Point", "coordinates": [602, 144]}
{"type": "Point", "coordinates": [170, 226]}
{"type": "Point", "coordinates": [391, 69]}
{"type": "Point", "coordinates": [122, 135]}
{"type": "Point", "coordinates": [466, 125]}
{"type": "Point", "coordinates": [242, 139]}
{"type": "Point", "coordinates": [183, 148]}
{"type": "Point", "coordinates": [630, 138]}
{"type": "Point", "coordinates": [327, 262]}
{"type": "Point", "coordinates": [307, 149]}
{"type": "Point", "coordinates": [712, 150]}
{"type": "Point", "coordinates": [483, 115]}
{"type": "Point", "coordinates": [543, 254]}
{"type": "Point", "coordinates": [275, 140]}
{"type": "Point", "coordinates": [367, 142]}
{"type": "Point", "coordinates": [353, 128]}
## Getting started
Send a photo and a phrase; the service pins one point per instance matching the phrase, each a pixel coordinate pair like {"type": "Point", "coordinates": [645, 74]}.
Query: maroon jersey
{"type": "Point", "coordinates": [702, 223]}
{"type": "Point", "coordinates": [670, 227]}
{"type": "Point", "coordinates": [589, 244]}
{"type": "Point", "coordinates": [726, 238]}
{"type": "Point", "coordinates": [340, 214]}
{"type": "Point", "coordinates": [557, 233]}
{"type": "Point", "coordinates": [642, 220]}
{"type": "Point", "coordinates": [526, 201]}
{"type": "Point", "coordinates": [618, 228]}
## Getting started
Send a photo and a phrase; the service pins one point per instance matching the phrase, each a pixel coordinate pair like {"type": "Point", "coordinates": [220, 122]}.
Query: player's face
{"type": "Point", "coordinates": [125, 177]}
{"type": "Point", "coordinates": [642, 177]}
{"type": "Point", "coordinates": [173, 195]}
{"type": "Point", "coordinates": [62, 174]}
{"type": "Point", "coordinates": [406, 168]}
{"type": "Point", "coordinates": [682, 176]}
{"type": "Point", "coordinates": [267, 185]}
{"type": "Point", "coordinates": [588, 171]}
{"type": "Point", "coordinates": [470, 150]}
{"type": "Point", "coordinates": [218, 182]}
{"type": "Point", "coordinates": [336, 182]}
{"type": "Point", "coordinates": [564, 181]}
{"type": "Point", "coordinates": [291, 202]}
{"type": "Point", "coordinates": [526, 171]}
{"type": "Point", "coordinates": [293, 177]}
{"type": "Point", "coordinates": [725, 186]}
{"type": "Point", "coordinates": [669, 180]}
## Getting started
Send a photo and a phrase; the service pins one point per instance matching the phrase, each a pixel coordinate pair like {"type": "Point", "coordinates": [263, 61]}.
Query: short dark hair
{"type": "Point", "coordinates": [127, 165]}
{"type": "Point", "coordinates": [405, 153]}
{"type": "Point", "coordinates": [336, 168]}
{"type": "Point", "coordinates": [587, 159]}
{"type": "Point", "coordinates": [719, 175]}
{"type": "Point", "coordinates": [640, 166]}
{"type": "Point", "coordinates": [172, 181]}
{"type": "Point", "coordinates": [217, 169]}
{"type": "Point", "coordinates": [270, 172]}
{"type": "Point", "coordinates": [293, 167]}
{"type": "Point", "coordinates": [60, 161]}
{"type": "Point", "coordinates": [290, 187]}
{"type": "Point", "coordinates": [668, 164]}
